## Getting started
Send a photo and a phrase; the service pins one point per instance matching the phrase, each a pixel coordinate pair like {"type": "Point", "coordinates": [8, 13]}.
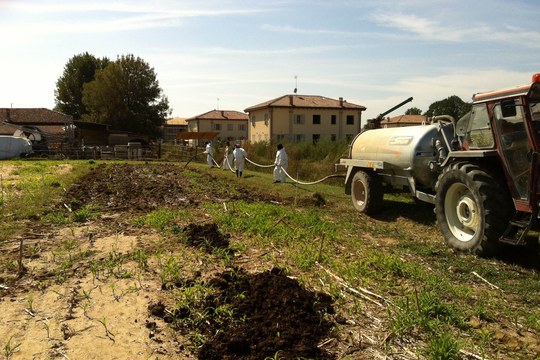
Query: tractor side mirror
{"type": "Point", "coordinates": [508, 108]}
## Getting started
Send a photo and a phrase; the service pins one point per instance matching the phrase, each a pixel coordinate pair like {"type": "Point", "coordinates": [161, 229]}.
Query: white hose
{"type": "Point", "coordinates": [229, 164]}
{"type": "Point", "coordinates": [286, 173]}
{"type": "Point", "coordinates": [310, 183]}
{"type": "Point", "coordinates": [259, 165]}
{"type": "Point", "coordinates": [215, 161]}
{"type": "Point", "coordinates": [293, 179]}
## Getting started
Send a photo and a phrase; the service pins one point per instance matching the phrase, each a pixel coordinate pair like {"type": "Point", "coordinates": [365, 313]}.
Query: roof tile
{"type": "Point", "coordinates": [306, 101]}
{"type": "Point", "coordinates": [220, 115]}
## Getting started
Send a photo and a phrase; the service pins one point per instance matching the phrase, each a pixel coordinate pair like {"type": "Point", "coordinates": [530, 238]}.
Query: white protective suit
{"type": "Point", "coordinates": [281, 162]}
{"type": "Point", "coordinates": [239, 155]}
{"type": "Point", "coordinates": [228, 159]}
{"type": "Point", "coordinates": [209, 154]}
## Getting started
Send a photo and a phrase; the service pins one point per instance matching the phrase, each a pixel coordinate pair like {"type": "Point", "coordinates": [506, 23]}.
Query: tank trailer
{"type": "Point", "coordinates": [480, 172]}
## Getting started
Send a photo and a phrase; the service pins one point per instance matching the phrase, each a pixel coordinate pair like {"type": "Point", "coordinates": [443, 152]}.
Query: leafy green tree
{"type": "Point", "coordinates": [452, 105]}
{"type": "Point", "coordinates": [126, 95]}
{"type": "Point", "coordinates": [79, 70]}
{"type": "Point", "coordinates": [413, 111]}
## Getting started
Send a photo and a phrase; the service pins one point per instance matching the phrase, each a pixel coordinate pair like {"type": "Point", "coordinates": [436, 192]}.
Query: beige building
{"type": "Point", "coordinates": [231, 125]}
{"type": "Point", "coordinates": [297, 118]}
{"type": "Point", "coordinates": [405, 120]}
{"type": "Point", "coordinates": [172, 127]}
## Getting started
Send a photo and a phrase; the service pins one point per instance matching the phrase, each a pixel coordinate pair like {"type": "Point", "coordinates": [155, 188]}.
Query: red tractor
{"type": "Point", "coordinates": [481, 172]}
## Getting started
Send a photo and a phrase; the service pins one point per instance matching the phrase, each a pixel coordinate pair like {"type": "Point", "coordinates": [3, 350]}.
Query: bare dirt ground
{"type": "Point", "coordinates": [86, 295]}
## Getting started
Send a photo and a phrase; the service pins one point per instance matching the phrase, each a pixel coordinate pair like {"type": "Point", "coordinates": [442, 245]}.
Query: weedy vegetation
{"type": "Point", "coordinates": [397, 288]}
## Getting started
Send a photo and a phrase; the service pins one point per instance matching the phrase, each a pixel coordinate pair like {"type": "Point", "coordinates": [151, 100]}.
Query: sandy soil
{"type": "Point", "coordinates": [73, 302]}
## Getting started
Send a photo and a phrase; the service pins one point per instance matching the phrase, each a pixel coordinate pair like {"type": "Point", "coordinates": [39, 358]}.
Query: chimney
{"type": "Point", "coordinates": [340, 101]}
{"type": "Point", "coordinates": [291, 100]}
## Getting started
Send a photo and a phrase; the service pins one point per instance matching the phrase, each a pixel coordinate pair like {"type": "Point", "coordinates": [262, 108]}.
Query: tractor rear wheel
{"type": "Point", "coordinates": [472, 208]}
{"type": "Point", "coordinates": [367, 192]}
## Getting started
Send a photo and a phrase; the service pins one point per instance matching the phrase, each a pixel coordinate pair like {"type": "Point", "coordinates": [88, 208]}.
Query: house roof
{"type": "Point", "coordinates": [220, 115]}
{"type": "Point", "coordinates": [33, 116]}
{"type": "Point", "coordinates": [306, 101]}
{"type": "Point", "coordinates": [176, 121]}
{"type": "Point", "coordinates": [405, 119]}
{"type": "Point", "coordinates": [49, 122]}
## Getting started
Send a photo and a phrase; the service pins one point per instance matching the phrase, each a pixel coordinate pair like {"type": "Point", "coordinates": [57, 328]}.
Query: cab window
{"type": "Point", "coordinates": [480, 135]}
{"type": "Point", "coordinates": [514, 141]}
{"type": "Point", "coordinates": [535, 113]}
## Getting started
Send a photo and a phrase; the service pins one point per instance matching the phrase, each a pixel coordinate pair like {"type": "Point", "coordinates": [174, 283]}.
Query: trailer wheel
{"type": "Point", "coordinates": [472, 208]}
{"type": "Point", "coordinates": [366, 192]}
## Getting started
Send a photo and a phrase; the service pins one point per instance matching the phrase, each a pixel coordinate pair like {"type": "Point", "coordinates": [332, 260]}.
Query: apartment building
{"type": "Point", "coordinates": [231, 125]}
{"type": "Point", "coordinates": [297, 118]}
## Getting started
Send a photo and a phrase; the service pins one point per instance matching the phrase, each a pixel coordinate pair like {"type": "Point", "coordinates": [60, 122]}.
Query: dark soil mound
{"type": "Point", "coordinates": [126, 186]}
{"type": "Point", "coordinates": [206, 236]}
{"type": "Point", "coordinates": [272, 313]}
{"type": "Point", "coordinates": [146, 187]}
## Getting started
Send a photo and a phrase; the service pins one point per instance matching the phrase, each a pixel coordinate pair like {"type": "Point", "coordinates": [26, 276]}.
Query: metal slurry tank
{"type": "Point", "coordinates": [405, 151]}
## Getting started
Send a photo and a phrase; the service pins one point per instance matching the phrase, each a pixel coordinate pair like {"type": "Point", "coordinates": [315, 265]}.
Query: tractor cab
{"type": "Point", "coordinates": [508, 121]}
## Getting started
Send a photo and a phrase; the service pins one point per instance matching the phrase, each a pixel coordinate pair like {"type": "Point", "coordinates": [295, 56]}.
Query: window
{"type": "Point", "coordinates": [535, 113]}
{"type": "Point", "coordinates": [350, 119]}
{"type": "Point", "coordinates": [217, 127]}
{"type": "Point", "coordinates": [253, 120]}
{"type": "Point", "coordinates": [514, 142]}
{"type": "Point", "coordinates": [315, 138]}
{"type": "Point", "coordinates": [298, 138]}
{"type": "Point", "coordinates": [333, 137]}
{"type": "Point", "coordinates": [230, 127]}
{"type": "Point", "coordinates": [333, 120]}
{"type": "Point", "coordinates": [316, 119]}
{"type": "Point", "coordinates": [280, 137]}
{"type": "Point", "coordinates": [299, 119]}
{"type": "Point", "coordinates": [266, 119]}
{"type": "Point", "coordinates": [480, 135]}
{"type": "Point", "coordinates": [242, 127]}
{"type": "Point", "coordinates": [349, 137]}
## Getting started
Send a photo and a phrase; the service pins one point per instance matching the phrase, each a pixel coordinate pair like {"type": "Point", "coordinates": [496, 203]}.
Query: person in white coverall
{"type": "Point", "coordinates": [209, 154]}
{"type": "Point", "coordinates": [239, 155]}
{"type": "Point", "coordinates": [227, 157]}
{"type": "Point", "coordinates": [281, 162]}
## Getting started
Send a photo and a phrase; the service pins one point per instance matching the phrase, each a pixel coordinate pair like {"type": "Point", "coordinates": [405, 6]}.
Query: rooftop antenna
{"type": "Point", "coordinates": [295, 83]}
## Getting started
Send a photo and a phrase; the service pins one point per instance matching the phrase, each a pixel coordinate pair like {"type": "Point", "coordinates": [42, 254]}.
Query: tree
{"type": "Point", "coordinates": [80, 69]}
{"type": "Point", "coordinates": [127, 96]}
{"type": "Point", "coordinates": [413, 111]}
{"type": "Point", "coordinates": [452, 105]}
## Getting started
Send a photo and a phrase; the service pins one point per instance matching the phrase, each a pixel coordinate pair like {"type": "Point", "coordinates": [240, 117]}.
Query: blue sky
{"type": "Point", "coordinates": [232, 54]}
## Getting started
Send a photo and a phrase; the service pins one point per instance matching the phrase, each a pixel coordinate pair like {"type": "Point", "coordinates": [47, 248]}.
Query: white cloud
{"type": "Point", "coordinates": [296, 30]}
{"type": "Point", "coordinates": [176, 8]}
{"type": "Point", "coordinates": [457, 31]}
{"type": "Point", "coordinates": [102, 17]}
{"type": "Point", "coordinates": [427, 89]}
